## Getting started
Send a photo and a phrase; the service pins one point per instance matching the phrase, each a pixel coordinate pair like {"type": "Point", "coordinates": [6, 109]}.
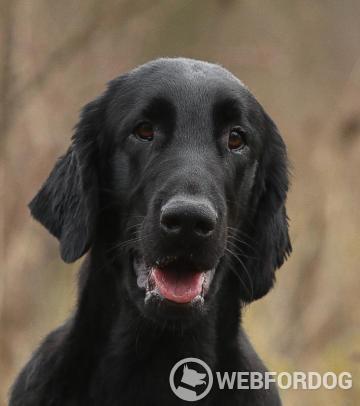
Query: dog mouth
{"type": "Point", "coordinates": [174, 279]}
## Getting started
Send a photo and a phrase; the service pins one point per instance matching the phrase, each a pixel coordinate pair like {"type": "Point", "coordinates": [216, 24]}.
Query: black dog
{"type": "Point", "coordinates": [175, 183]}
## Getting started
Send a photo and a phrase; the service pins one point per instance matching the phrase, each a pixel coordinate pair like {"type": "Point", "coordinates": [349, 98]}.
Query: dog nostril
{"type": "Point", "coordinates": [204, 228]}
{"type": "Point", "coordinates": [170, 223]}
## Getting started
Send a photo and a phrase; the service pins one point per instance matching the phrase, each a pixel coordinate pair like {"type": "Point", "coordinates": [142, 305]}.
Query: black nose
{"type": "Point", "coordinates": [188, 218]}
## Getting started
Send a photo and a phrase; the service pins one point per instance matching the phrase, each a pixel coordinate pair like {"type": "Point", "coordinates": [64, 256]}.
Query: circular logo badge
{"type": "Point", "coordinates": [191, 379]}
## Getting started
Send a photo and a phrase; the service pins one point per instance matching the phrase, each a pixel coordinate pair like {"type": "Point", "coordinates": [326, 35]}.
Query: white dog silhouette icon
{"type": "Point", "coordinates": [192, 377]}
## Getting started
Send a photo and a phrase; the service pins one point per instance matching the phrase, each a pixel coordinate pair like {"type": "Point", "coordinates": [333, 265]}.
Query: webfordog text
{"type": "Point", "coordinates": [284, 380]}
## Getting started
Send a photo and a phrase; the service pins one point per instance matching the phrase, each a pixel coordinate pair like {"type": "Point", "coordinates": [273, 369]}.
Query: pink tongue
{"type": "Point", "coordinates": [179, 288]}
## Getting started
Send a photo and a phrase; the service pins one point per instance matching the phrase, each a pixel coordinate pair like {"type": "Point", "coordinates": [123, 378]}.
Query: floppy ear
{"type": "Point", "coordinates": [269, 228]}
{"type": "Point", "coordinates": [67, 202]}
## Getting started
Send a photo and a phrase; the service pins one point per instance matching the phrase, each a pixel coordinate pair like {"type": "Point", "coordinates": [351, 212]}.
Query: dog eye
{"type": "Point", "coordinates": [144, 131]}
{"type": "Point", "coordinates": [236, 140]}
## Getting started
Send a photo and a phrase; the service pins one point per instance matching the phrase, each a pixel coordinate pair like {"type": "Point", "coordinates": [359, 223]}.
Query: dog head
{"type": "Point", "coordinates": [192, 377]}
{"type": "Point", "coordinates": [181, 176]}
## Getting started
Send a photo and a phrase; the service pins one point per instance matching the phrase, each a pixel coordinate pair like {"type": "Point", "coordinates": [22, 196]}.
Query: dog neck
{"type": "Point", "coordinates": [107, 318]}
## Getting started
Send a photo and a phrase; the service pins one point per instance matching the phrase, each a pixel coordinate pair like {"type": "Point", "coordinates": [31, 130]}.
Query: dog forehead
{"type": "Point", "coordinates": [184, 80]}
{"type": "Point", "coordinates": [190, 87]}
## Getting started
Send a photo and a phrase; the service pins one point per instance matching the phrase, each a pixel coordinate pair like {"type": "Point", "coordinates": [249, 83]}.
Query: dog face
{"type": "Point", "coordinates": [177, 171]}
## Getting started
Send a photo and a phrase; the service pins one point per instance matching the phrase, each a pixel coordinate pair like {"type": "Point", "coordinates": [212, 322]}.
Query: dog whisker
{"type": "Point", "coordinates": [238, 250]}
{"type": "Point", "coordinates": [243, 266]}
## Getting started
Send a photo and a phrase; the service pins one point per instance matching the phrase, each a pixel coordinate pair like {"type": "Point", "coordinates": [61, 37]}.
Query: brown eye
{"type": "Point", "coordinates": [236, 140]}
{"type": "Point", "coordinates": [144, 131]}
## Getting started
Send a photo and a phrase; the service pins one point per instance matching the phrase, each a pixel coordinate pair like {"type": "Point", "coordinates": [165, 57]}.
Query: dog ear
{"type": "Point", "coordinates": [67, 202]}
{"type": "Point", "coordinates": [269, 228]}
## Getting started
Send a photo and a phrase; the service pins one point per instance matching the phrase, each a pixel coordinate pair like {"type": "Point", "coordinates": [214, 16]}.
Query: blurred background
{"type": "Point", "coordinates": [302, 61]}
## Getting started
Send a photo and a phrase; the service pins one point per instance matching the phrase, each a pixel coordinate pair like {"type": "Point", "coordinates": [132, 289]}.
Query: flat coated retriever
{"type": "Point", "coordinates": [175, 185]}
